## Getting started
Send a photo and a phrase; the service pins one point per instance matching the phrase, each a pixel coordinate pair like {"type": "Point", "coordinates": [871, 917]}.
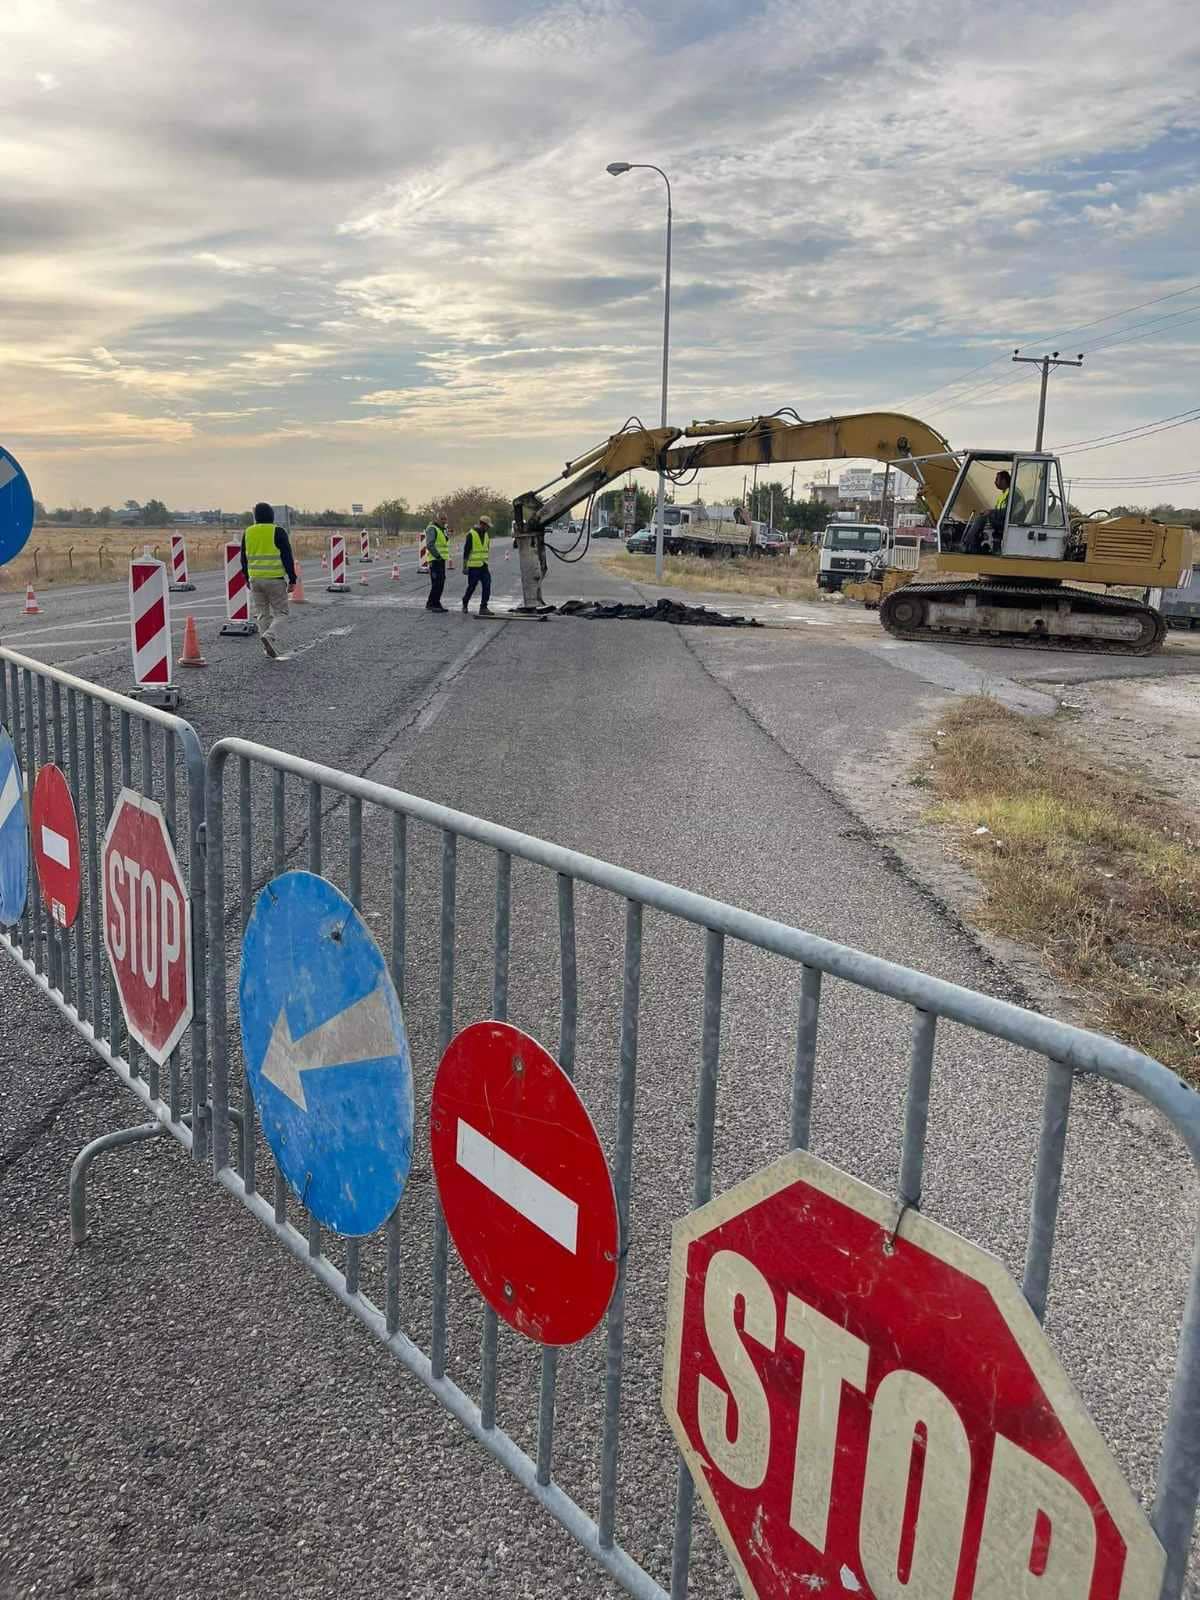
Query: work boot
{"type": "Point", "coordinates": [268, 645]}
{"type": "Point", "coordinates": [435, 608]}
{"type": "Point", "coordinates": [464, 608]}
{"type": "Point", "coordinates": [484, 611]}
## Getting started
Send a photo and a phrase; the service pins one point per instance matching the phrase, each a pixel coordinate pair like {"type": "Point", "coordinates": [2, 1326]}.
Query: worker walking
{"type": "Point", "coordinates": [476, 550]}
{"type": "Point", "coordinates": [270, 570]}
{"type": "Point", "coordinates": [437, 547]}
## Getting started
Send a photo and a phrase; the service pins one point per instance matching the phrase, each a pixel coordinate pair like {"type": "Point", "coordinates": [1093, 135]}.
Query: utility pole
{"type": "Point", "coordinates": [1045, 362]}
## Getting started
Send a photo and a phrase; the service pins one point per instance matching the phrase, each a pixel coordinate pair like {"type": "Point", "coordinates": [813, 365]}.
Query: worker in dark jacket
{"type": "Point", "coordinates": [476, 551]}
{"type": "Point", "coordinates": [270, 570]}
{"type": "Point", "coordinates": [437, 549]}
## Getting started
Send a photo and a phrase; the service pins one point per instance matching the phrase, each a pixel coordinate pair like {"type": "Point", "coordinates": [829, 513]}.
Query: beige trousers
{"type": "Point", "coordinates": [270, 605]}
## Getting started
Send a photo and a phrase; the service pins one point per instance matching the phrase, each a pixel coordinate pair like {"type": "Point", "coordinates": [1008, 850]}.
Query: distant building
{"type": "Point", "coordinates": [855, 483]}
{"type": "Point", "coordinates": [826, 494]}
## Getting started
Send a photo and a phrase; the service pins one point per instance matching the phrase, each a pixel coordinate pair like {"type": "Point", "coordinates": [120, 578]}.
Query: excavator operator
{"type": "Point", "coordinates": [993, 521]}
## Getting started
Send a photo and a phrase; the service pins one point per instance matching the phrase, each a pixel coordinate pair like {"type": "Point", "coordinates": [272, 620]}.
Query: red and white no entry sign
{"type": "Point", "coordinates": [56, 844]}
{"type": "Point", "coordinates": [524, 1184]}
{"type": "Point", "coordinates": [874, 1410]}
{"type": "Point", "coordinates": [147, 924]}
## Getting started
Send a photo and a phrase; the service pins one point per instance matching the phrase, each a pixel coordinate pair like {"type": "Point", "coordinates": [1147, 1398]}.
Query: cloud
{"type": "Point", "coordinates": [423, 244]}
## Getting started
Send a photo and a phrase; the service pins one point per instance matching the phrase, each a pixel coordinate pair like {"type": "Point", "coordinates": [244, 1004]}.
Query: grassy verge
{"type": "Point", "coordinates": [91, 555]}
{"type": "Point", "coordinates": [782, 577]}
{"type": "Point", "coordinates": [1083, 864]}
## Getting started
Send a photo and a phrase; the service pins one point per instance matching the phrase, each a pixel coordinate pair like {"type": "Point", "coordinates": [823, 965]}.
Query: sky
{"type": "Point", "coordinates": [315, 254]}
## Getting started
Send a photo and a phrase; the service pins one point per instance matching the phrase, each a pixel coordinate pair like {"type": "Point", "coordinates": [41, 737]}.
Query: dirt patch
{"type": "Point", "coordinates": [1097, 868]}
{"type": "Point", "coordinates": [1149, 727]}
{"type": "Point", "coordinates": [782, 577]}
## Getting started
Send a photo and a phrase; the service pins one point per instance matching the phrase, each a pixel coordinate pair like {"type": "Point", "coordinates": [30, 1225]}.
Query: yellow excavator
{"type": "Point", "coordinates": [1015, 565]}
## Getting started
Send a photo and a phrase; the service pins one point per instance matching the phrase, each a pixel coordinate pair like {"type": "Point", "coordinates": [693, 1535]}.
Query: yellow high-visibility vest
{"type": "Point", "coordinates": [480, 547]}
{"type": "Point", "coordinates": [263, 561]}
{"type": "Point", "coordinates": [1002, 500]}
{"type": "Point", "coordinates": [436, 542]}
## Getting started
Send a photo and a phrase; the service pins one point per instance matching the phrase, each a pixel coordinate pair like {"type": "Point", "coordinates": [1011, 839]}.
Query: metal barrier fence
{"type": "Point", "coordinates": [105, 742]}
{"type": "Point", "coordinates": [570, 1437]}
{"type": "Point", "coordinates": [314, 795]}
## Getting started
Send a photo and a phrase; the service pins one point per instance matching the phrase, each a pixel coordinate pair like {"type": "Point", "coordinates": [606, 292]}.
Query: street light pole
{"type": "Point", "coordinates": [617, 168]}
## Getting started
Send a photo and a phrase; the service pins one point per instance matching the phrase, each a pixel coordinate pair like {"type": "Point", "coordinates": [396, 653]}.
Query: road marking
{"type": "Point", "coordinates": [436, 704]}
{"type": "Point", "coordinates": [10, 795]}
{"type": "Point", "coordinates": [333, 633]}
{"type": "Point", "coordinates": [57, 846]}
{"type": "Point", "coordinates": [537, 1201]}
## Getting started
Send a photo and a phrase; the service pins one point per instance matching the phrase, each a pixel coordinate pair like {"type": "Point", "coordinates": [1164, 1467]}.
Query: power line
{"type": "Point", "coordinates": [1046, 338]}
{"type": "Point", "coordinates": [1143, 430]}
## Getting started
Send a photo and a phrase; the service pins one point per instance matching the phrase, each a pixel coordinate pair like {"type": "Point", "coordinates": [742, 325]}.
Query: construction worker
{"type": "Point", "coordinates": [437, 546]}
{"type": "Point", "coordinates": [270, 570]}
{"type": "Point", "coordinates": [476, 550]}
{"type": "Point", "coordinates": [992, 521]}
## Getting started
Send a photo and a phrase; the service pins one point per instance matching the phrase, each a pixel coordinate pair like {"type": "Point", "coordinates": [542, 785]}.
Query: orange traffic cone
{"type": "Point", "coordinates": [298, 592]}
{"type": "Point", "coordinates": [32, 609]}
{"type": "Point", "coordinates": [395, 571]}
{"type": "Point", "coordinates": [324, 562]}
{"type": "Point", "coordinates": [191, 656]}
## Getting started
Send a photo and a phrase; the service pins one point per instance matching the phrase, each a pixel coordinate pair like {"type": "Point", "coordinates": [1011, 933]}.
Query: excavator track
{"type": "Point", "coordinates": [987, 612]}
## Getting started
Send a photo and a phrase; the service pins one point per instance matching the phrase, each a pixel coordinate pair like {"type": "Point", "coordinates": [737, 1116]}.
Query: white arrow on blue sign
{"type": "Point", "coordinates": [16, 507]}
{"type": "Point", "coordinates": [326, 1052]}
{"type": "Point", "coordinates": [14, 835]}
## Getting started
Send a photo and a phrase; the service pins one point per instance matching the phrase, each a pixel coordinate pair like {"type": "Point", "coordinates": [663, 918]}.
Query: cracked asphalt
{"type": "Point", "coordinates": [186, 1411]}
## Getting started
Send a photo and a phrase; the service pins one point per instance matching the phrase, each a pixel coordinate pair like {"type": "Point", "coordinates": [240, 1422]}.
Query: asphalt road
{"type": "Point", "coordinates": [185, 1412]}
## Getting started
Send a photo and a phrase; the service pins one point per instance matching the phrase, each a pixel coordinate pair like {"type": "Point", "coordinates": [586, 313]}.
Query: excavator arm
{"type": "Point", "coordinates": [912, 446]}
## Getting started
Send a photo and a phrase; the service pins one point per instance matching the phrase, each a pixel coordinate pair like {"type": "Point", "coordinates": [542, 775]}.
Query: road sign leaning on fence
{"type": "Point", "coordinates": [147, 924]}
{"type": "Point", "coordinates": [14, 835]}
{"type": "Point", "coordinates": [868, 1406]}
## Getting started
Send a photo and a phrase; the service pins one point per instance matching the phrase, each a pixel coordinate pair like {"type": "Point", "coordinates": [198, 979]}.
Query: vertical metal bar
{"type": "Point", "coordinates": [806, 1057]}
{"type": "Point", "coordinates": [16, 734]}
{"type": "Point", "coordinates": [60, 952]}
{"type": "Point", "coordinates": [355, 824]}
{"type": "Point", "coordinates": [393, 1271]}
{"type": "Point", "coordinates": [1178, 1487]}
{"type": "Point", "coordinates": [148, 787]}
{"type": "Point", "coordinates": [126, 751]}
{"type": "Point", "coordinates": [246, 840]}
{"type": "Point", "coordinates": [95, 834]}
{"type": "Point", "coordinates": [249, 1139]}
{"type": "Point", "coordinates": [277, 820]}
{"type": "Point", "coordinates": [107, 787]}
{"type": "Point", "coordinates": [437, 1343]}
{"type": "Point", "coordinates": [399, 899]}
{"type": "Point", "coordinates": [916, 1108]}
{"type": "Point", "coordinates": [35, 893]}
{"type": "Point", "coordinates": [314, 827]}
{"type": "Point", "coordinates": [281, 1194]}
{"type": "Point", "coordinates": [314, 1237]}
{"type": "Point", "coordinates": [214, 835]}
{"type": "Point", "coordinates": [491, 1322]}
{"type": "Point", "coordinates": [352, 1265]}
{"type": "Point", "coordinates": [74, 774]}
{"type": "Point", "coordinates": [623, 1179]}
{"type": "Point", "coordinates": [706, 1110]}
{"type": "Point", "coordinates": [196, 773]}
{"type": "Point", "coordinates": [1047, 1186]}
{"type": "Point", "coordinates": [568, 1014]}
{"type": "Point", "coordinates": [170, 784]}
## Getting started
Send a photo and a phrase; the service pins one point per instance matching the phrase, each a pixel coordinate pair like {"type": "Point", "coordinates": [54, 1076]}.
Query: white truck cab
{"type": "Point", "coordinates": [847, 552]}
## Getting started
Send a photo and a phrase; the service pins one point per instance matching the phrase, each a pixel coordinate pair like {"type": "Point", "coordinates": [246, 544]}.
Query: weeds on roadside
{"type": "Point", "coordinates": [1084, 864]}
{"type": "Point", "coordinates": [784, 577]}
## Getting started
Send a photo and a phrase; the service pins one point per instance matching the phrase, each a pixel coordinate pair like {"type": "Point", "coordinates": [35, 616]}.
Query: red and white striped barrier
{"type": "Point", "coordinates": [179, 567]}
{"type": "Point", "coordinates": [423, 556]}
{"type": "Point", "coordinates": [150, 632]}
{"type": "Point", "coordinates": [337, 565]}
{"type": "Point", "coordinates": [395, 572]}
{"type": "Point", "coordinates": [364, 546]}
{"type": "Point", "coordinates": [237, 594]}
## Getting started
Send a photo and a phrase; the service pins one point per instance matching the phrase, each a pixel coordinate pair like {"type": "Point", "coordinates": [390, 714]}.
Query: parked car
{"type": "Point", "coordinates": [772, 543]}
{"type": "Point", "coordinates": [608, 530]}
{"type": "Point", "coordinates": [641, 543]}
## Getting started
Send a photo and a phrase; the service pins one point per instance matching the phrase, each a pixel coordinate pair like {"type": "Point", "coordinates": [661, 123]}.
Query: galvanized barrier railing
{"type": "Point", "coordinates": [105, 741]}
{"type": "Point", "coordinates": [324, 791]}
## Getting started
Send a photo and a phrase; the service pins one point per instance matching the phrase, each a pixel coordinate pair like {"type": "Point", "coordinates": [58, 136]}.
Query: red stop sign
{"type": "Point", "coordinates": [147, 924]}
{"type": "Point", "coordinates": [878, 1413]}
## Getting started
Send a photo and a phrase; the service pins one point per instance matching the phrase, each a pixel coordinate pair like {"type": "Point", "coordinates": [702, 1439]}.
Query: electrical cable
{"type": "Point", "coordinates": [1140, 430]}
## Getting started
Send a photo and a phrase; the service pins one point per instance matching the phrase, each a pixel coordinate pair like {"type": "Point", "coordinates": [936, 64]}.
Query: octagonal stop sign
{"type": "Point", "coordinates": [147, 924]}
{"type": "Point", "coordinates": [875, 1411]}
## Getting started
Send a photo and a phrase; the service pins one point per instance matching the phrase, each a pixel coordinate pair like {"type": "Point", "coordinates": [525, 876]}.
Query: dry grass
{"type": "Point", "coordinates": [783, 577]}
{"type": "Point", "coordinates": [90, 555]}
{"type": "Point", "coordinates": [1082, 863]}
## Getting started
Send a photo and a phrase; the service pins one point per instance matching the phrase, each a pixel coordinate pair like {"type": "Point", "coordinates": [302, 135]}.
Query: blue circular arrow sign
{"type": "Point", "coordinates": [326, 1053]}
{"type": "Point", "coordinates": [16, 507]}
{"type": "Point", "coordinates": [14, 835]}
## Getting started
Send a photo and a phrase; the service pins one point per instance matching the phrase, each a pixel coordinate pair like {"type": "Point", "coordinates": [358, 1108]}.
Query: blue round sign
{"type": "Point", "coordinates": [14, 835]}
{"type": "Point", "coordinates": [16, 507]}
{"type": "Point", "coordinates": [326, 1053]}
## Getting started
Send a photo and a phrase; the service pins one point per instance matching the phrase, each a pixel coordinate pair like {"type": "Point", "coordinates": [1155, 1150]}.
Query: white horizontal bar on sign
{"type": "Point", "coordinates": [56, 845]}
{"type": "Point", "coordinates": [537, 1201]}
{"type": "Point", "coordinates": [10, 795]}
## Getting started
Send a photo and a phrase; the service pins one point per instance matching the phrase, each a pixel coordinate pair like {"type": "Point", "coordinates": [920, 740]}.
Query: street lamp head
{"type": "Point", "coordinates": [618, 167]}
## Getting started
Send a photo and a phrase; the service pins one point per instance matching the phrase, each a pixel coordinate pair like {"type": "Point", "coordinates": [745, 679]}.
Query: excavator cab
{"type": "Point", "coordinates": [1025, 520]}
